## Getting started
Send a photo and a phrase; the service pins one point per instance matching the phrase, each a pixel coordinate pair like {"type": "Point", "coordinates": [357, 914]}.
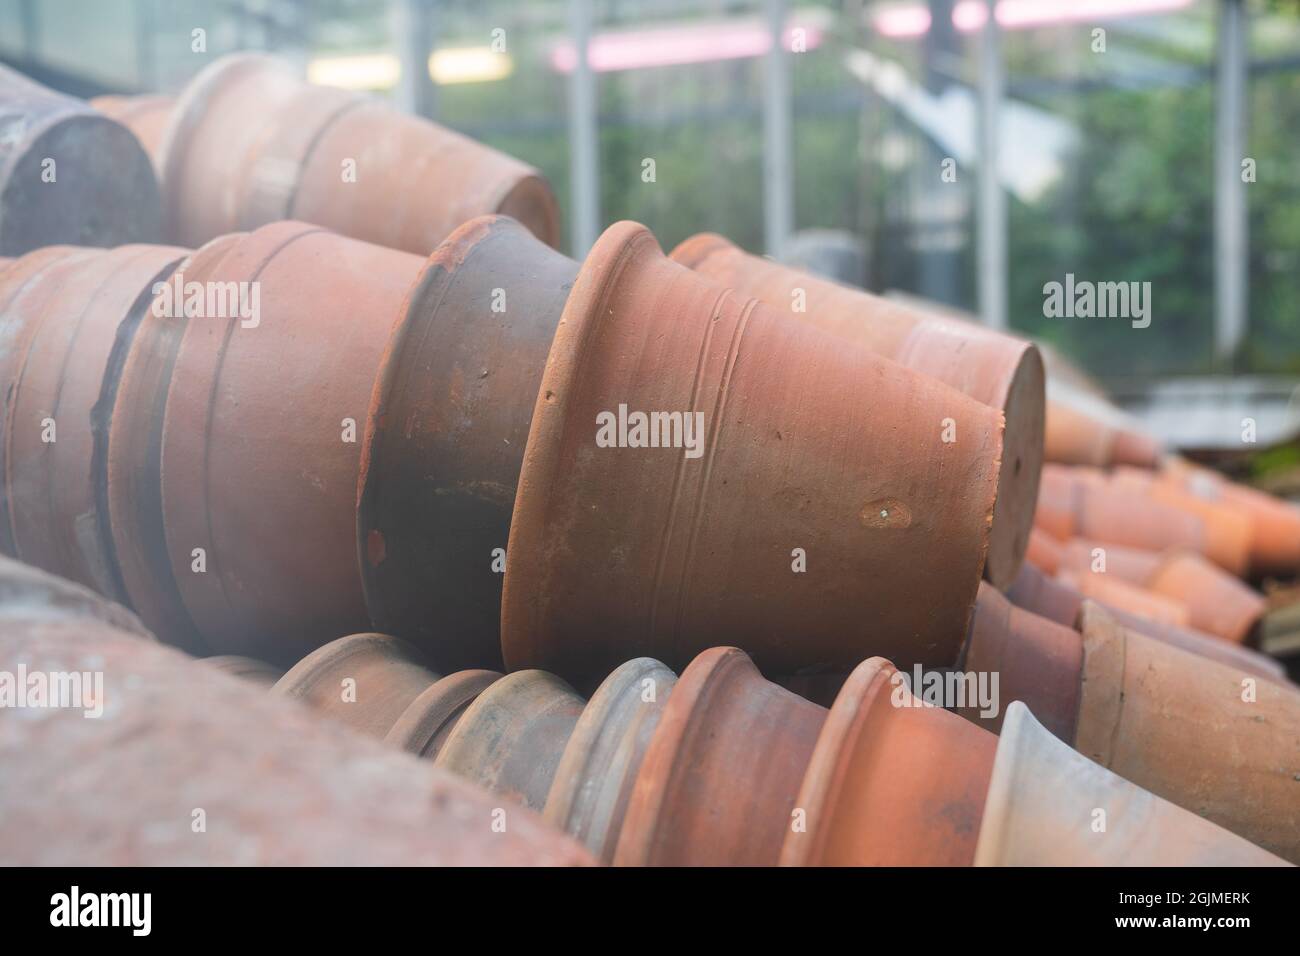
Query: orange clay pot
{"type": "Point", "coordinates": [1177, 725]}
{"type": "Point", "coordinates": [1037, 661]}
{"type": "Point", "coordinates": [807, 442]}
{"type": "Point", "coordinates": [1135, 600]}
{"type": "Point", "coordinates": [718, 783]}
{"type": "Point", "coordinates": [245, 668]}
{"type": "Point", "coordinates": [445, 437]}
{"type": "Point", "coordinates": [1216, 602]}
{"type": "Point", "coordinates": [145, 116]}
{"type": "Point", "coordinates": [1074, 436]}
{"type": "Point", "coordinates": [366, 681]}
{"type": "Point", "coordinates": [249, 143]}
{"type": "Point", "coordinates": [1062, 603]}
{"type": "Point", "coordinates": [998, 370]}
{"type": "Point", "coordinates": [1043, 810]}
{"type": "Point", "coordinates": [510, 740]}
{"type": "Point", "coordinates": [1227, 527]}
{"type": "Point", "coordinates": [277, 785]}
{"type": "Point", "coordinates": [65, 326]}
{"type": "Point", "coordinates": [594, 780]}
{"type": "Point", "coordinates": [1070, 506]}
{"type": "Point", "coordinates": [1044, 551]}
{"type": "Point", "coordinates": [892, 782]}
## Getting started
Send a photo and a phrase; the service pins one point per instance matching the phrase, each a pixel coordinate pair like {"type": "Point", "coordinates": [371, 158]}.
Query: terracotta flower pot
{"type": "Point", "coordinates": [1227, 526]}
{"type": "Point", "coordinates": [445, 437]}
{"type": "Point", "coordinates": [1062, 603]}
{"type": "Point", "coordinates": [245, 668]}
{"type": "Point", "coordinates": [1140, 698]}
{"type": "Point", "coordinates": [1135, 600]}
{"type": "Point", "coordinates": [99, 190]}
{"type": "Point", "coordinates": [719, 780]}
{"type": "Point", "coordinates": [1037, 661]}
{"type": "Point", "coordinates": [511, 738]}
{"type": "Point", "coordinates": [241, 437]}
{"type": "Point", "coordinates": [1077, 436]}
{"type": "Point", "coordinates": [1216, 602]}
{"type": "Point", "coordinates": [250, 143]}
{"type": "Point", "coordinates": [594, 780]}
{"type": "Point", "coordinates": [146, 116]}
{"type": "Point", "coordinates": [801, 441]}
{"type": "Point", "coordinates": [65, 324]}
{"type": "Point", "coordinates": [1049, 806]}
{"type": "Point", "coordinates": [1045, 552]}
{"type": "Point", "coordinates": [366, 681]}
{"type": "Point", "coordinates": [28, 592]}
{"type": "Point", "coordinates": [892, 782]}
{"type": "Point", "coordinates": [998, 370]}
{"type": "Point", "coordinates": [277, 786]}
{"type": "Point", "coordinates": [426, 724]}
{"type": "Point", "coordinates": [1070, 506]}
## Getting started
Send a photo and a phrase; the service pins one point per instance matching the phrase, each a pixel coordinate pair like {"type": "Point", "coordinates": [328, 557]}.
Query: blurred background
{"type": "Point", "coordinates": [920, 148]}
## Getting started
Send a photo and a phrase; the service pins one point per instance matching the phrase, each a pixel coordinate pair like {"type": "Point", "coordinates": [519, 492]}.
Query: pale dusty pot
{"type": "Point", "coordinates": [1177, 725]}
{"type": "Point", "coordinates": [245, 668]}
{"type": "Point", "coordinates": [891, 782]}
{"type": "Point", "coordinates": [278, 786]}
{"type": "Point", "coordinates": [718, 783]}
{"type": "Point", "coordinates": [594, 780]}
{"type": "Point", "coordinates": [808, 442]}
{"type": "Point", "coordinates": [430, 719]}
{"type": "Point", "coordinates": [1048, 805]}
{"type": "Point", "coordinates": [511, 738]}
{"type": "Point", "coordinates": [28, 592]}
{"type": "Point", "coordinates": [250, 143]}
{"type": "Point", "coordinates": [998, 370]}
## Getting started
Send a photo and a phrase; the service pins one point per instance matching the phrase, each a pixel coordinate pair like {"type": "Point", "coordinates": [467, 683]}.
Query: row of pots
{"type": "Point", "coordinates": [721, 766]}
{"type": "Point", "coordinates": [360, 452]}
{"type": "Point", "coordinates": [184, 767]}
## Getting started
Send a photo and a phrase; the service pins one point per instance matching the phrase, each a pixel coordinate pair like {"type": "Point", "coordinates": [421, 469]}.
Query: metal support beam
{"type": "Point", "coordinates": [413, 35]}
{"type": "Point", "coordinates": [778, 164]}
{"type": "Point", "coordinates": [584, 144]}
{"type": "Point", "coordinates": [991, 201]}
{"type": "Point", "coordinates": [1231, 227]}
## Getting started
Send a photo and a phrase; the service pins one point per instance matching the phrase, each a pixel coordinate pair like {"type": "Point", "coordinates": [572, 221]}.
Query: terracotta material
{"type": "Point", "coordinates": [246, 668]}
{"type": "Point", "coordinates": [445, 436]}
{"type": "Point", "coordinates": [892, 782]}
{"type": "Point", "coordinates": [1062, 603]}
{"type": "Point", "coordinates": [1076, 435]}
{"type": "Point", "coordinates": [275, 784]}
{"type": "Point", "coordinates": [511, 738]}
{"type": "Point", "coordinates": [1227, 526]}
{"type": "Point", "coordinates": [427, 723]}
{"type": "Point", "coordinates": [718, 782]}
{"type": "Point", "coordinates": [65, 323]}
{"type": "Point", "coordinates": [594, 780]}
{"type": "Point", "coordinates": [807, 442]}
{"type": "Point", "coordinates": [1135, 600]}
{"type": "Point", "coordinates": [146, 116]}
{"type": "Point", "coordinates": [250, 143]}
{"type": "Point", "coordinates": [28, 592]}
{"type": "Point", "coordinates": [1071, 507]}
{"type": "Point", "coordinates": [1216, 602]}
{"type": "Point", "coordinates": [100, 190]}
{"type": "Point", "coordinates": [1177, 725]}
{"type": "Point", "coordinates": [232, 436]}
{"type": "Point", "coordinates": [998, 370]}
{"type": "Point", "coordinates": [1037, 661]}
{"type": "Point", "coordinates": [1042, 810]}
{"type": "Point", "coordinates": [1044, 551]}
{"type": "Point", "coordinates": [366, 681]}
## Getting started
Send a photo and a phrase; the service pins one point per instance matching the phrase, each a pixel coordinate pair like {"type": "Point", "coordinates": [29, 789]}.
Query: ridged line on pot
{"type": "Point", "coordinates": [1198, 733]}
{"type": "Point", "coordinates": [1060, 602]}
{"type": "Point", "coordinates": [58, 385]}
{"type": "Point", "coordinates": [128, 459]}
{"type": "Point", "coordinates": [1037, 661]}
{"type": "Point", "coordinates": [245, 668]}
{"type": "Point", "coordinates": [892, 781]}
{"type": "Point", "coordinates": [30, 593]}
{"type": "Point", "coordinates": [366, 681]}
{"type": "Point", "coordinates": [808, 442]}
{"type": "Point", "coordinates": [998, 370]}
{"type": "Point", "coordinates": [278, 786]}
{"type": "Point", "coordinates": [718, 782]}
{"type": "Point", "coordinates": [1050, 806]}
{"type": "Point", "coordinates": [445, 436]}
{"type": "Point", "coordinates": [250, 142]}
{"type": "Point", "coordinates": [429, 720]}
{"type": "Point", "coordinates": [511, 738]}
{"type": "Point", "coordinates": [266, 485]}
{"type": "Point", "coordinates": [594, 780]}
{"type": "Point", "coordinates": [103, 192]}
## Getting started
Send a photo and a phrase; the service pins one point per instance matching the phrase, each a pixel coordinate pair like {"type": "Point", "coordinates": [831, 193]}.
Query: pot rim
{"type": "Point", "coordinates": [692, 251]}
{"type": "Point", "coordinates": [617, 250]}
{"type": "Point", "coordinates": [445, 698]}
{"type": "Point", "coordinates": [299, 680]}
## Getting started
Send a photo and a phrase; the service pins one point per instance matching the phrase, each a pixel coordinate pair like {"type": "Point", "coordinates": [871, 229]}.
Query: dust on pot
{"type": "Point", "coordinates": [336, 158]}
{"type": "Point", "coordinates": [28, 592]}
{"type": "Point", "coordinates": [69, 174]}
{"type": "Point", "coordinates": [999, 370]}
{"type": "Point", "coordinates": [784, 443]}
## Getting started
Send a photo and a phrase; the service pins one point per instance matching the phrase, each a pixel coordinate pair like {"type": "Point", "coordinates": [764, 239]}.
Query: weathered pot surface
{"type": "Point", "coordinates": [429, 720]}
